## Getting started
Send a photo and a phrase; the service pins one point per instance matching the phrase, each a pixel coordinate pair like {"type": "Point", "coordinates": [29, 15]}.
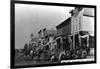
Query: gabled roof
{"type": "Point", "coordinates": [65, 22]}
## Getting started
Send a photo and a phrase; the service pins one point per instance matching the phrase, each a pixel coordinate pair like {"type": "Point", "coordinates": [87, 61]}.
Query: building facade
{"type": "Point", "coordinates": [64, 28]}
{"type": "Point", "coordinates": [82, 19]}
{"type": "Point", "coordinates": [82, 22]}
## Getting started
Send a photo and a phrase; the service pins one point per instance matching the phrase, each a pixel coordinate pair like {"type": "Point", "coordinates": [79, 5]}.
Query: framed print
{"type": "Point", "coordinates": [52, 34]}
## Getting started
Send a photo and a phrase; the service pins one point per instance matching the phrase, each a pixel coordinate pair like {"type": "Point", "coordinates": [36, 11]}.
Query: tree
{"type": "Point", "coordinates": [25, 47]}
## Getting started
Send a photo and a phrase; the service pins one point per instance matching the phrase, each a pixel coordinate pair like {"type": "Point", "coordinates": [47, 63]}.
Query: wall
{"type": "Point", "coordinates": [67, 29]}
{"type": "Point", "coordinates": [88, 24]}
{"type": "Point", "coordinates": [59, 31]}
{"type": "Point", "coordinates": [64, 28]}
{"type": "Point", "coordinates": [76, 22]}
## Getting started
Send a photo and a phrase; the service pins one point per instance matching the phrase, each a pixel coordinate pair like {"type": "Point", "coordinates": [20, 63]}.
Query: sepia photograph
{"type": "Point", "coordinates": [50, 34]}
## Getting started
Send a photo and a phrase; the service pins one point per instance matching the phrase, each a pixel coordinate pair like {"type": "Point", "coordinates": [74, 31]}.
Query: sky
{"type": "Point", "coordinates": [31, 18]}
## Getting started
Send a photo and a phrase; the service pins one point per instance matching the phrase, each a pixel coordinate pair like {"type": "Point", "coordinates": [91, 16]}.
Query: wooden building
{"type": "Point", "coordinates": [79, 25]}
{"type": "Point", "coordinates": [82, 22]}
{"type": "Point", "coordinates": [64, 29]}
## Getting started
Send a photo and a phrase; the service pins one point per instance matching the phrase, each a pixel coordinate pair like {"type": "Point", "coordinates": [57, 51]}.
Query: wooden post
{"type": "Point", "coordinates": [73, 42]}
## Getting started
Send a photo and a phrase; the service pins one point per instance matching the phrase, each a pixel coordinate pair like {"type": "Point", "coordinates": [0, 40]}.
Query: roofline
{"type": "Point", "coordinates": [63, 22]}
{"type": "Point", "coordinates": [88, 15]}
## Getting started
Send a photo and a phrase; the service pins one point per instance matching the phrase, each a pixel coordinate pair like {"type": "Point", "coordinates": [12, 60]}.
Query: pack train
{"type": "Point", "coordinates": [59, 48]}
